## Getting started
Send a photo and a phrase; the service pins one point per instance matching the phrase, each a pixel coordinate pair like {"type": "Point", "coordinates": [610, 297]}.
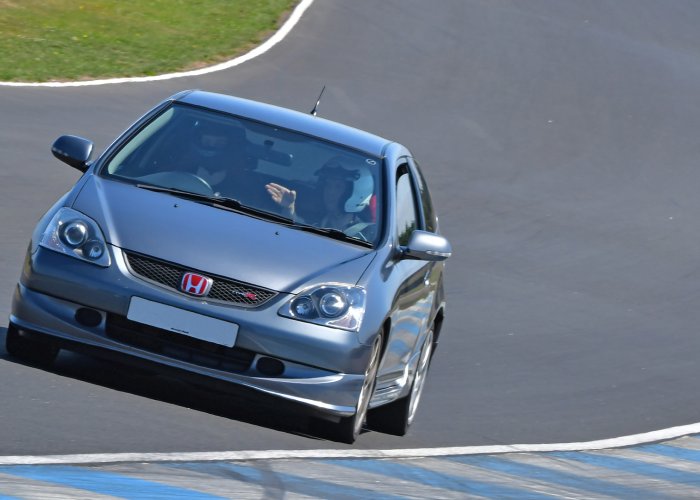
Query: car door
{"type": "Point", "coordinates": [415, 286]}
{"type": "Point", "coordinates": [430, 221]}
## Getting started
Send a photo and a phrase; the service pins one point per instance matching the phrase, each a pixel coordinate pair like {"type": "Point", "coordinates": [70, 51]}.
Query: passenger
{"type": "Point", "coordinates": [218, 156]}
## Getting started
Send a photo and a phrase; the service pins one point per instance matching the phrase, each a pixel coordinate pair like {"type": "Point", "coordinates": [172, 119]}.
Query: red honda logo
{"type": "Point", "coordinates": [195, 284]}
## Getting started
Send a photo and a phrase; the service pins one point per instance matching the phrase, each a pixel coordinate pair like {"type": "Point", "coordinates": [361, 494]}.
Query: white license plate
{"type": "Point", "coordinates": [183, 322]}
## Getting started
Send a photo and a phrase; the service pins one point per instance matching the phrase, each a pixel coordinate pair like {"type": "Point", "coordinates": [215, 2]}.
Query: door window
{"type": "Point", "coordinates": [431, 222]}
{"type": "Point", "coordinates": [406, 213]}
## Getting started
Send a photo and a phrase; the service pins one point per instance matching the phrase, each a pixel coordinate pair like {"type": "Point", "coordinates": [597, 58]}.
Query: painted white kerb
{"type": "Point", "coordinates": [636, 439]}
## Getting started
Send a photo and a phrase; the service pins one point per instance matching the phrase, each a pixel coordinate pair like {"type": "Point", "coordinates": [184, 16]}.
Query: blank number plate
{"type": "Point", "coordinates": [183, 322]}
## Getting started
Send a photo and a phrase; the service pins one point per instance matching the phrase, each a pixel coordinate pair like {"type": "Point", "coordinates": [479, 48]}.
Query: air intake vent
{"type": "Point", "coordinates": [222, 290]}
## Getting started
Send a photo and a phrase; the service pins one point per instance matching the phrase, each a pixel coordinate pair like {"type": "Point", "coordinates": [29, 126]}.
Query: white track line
{"type": "Point", "coordinates": [636, 439]}
{"type": "Point", "coordinates": [261, 49]}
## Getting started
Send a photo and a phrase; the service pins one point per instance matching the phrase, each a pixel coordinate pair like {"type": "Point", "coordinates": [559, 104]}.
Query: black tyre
{"type": "Point", "coordinates": [395, 418]}
{"type": "Point", "coordinates": [348, 429]}
{"type": "Point", "coordinates": [28, 349]}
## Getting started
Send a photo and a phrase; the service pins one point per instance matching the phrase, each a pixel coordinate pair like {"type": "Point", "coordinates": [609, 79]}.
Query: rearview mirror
{"type": "Point", "coordinates": [427, 246]}
{"type": "Point", "coordinates": [73, 150]}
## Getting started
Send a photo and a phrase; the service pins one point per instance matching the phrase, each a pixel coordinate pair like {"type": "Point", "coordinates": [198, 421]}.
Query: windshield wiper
{"type": "Point", "coordinates": [237, 206]}
{"type": "Point", "coordinates": [178, 192]}
{"type": "Point", "coordinates": [219, 202]}
{"type": "Point", "coordinates": [332, 232]}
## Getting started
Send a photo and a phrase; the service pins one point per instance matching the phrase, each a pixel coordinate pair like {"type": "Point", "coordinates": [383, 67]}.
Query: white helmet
{"type": "Point", "coordinates": [362, 191]}
{"type": "Point", "coordinates": [361, 178]}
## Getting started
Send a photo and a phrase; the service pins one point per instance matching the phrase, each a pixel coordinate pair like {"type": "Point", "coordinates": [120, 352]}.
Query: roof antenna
{"type": "Point", "coordinates": [314, 111]}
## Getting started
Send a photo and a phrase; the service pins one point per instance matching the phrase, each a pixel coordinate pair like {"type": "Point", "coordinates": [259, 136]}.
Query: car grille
{"type": "Point", "coordinates": [176, 346]}
{"type": "Point", "coordinates": [222, 290]}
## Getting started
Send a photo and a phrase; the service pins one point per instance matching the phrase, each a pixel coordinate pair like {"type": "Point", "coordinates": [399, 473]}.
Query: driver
{"type": "Point", "coordinates": [345, 192]}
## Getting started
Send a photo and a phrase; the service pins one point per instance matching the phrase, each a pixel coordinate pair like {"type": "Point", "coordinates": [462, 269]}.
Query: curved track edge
{"type": "Point", "coordinates": [600, 444]}
{"type": "Point", "coordinates": [277, 37]}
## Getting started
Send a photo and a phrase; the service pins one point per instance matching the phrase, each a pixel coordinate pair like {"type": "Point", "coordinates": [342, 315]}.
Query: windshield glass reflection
{"type": "Point", "coordinates": [310, 181]}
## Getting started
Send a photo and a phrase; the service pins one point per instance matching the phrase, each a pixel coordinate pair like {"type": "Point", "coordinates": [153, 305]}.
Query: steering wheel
{"type": "Point", "coordinates": [365, 231]}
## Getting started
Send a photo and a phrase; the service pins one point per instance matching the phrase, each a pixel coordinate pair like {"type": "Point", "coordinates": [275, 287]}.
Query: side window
{"type": "Point", "coordinates": [406, 213]}
{"type": "Point", "coordinates": [431, 222]}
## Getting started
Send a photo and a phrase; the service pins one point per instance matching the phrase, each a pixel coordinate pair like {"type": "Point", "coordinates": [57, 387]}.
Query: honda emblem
{"type": "Point", "coordinates": [195, 284]}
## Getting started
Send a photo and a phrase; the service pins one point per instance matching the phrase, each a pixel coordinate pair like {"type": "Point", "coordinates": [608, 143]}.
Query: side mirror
{"type": "Point", "coordinates": [427, 246]}
{"type": "Point", "coordinates": [73, 150]}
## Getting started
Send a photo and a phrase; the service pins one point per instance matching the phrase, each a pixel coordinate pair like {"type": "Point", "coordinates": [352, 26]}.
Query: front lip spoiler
{"type": "Point", "coordinates": [319, 408]}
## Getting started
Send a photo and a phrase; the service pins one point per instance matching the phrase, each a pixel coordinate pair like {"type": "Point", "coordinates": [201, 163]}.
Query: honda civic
{"type": "Point", "coordinates": [249, 244]}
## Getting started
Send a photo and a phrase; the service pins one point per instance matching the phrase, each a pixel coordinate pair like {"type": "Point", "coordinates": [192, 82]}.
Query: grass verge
{"type": "Point", "coordinates": [47, 40]}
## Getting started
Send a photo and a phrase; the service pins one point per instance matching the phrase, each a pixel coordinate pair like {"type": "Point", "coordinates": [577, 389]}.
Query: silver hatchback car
{"type": "Point", "coordinates": [250, 244]}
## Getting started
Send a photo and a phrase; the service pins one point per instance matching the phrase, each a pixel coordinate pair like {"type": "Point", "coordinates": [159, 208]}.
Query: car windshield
{"type": "Point", "coordinates": [272, 170]}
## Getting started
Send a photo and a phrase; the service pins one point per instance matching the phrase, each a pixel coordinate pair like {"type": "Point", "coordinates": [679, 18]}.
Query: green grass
{"type": "Point", "coordinates": [46, 40]}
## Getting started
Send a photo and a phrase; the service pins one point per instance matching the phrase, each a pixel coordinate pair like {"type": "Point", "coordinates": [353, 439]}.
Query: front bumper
{"type": "Point", "coordinates": [323, 367]}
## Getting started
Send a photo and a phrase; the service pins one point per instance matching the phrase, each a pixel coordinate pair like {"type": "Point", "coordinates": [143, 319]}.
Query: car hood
{"type": "Point", "coordinates": [216, 241]}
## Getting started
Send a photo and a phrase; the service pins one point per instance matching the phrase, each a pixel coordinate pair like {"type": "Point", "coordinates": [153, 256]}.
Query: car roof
{"type": "Point", "coordinates": [289, 119]}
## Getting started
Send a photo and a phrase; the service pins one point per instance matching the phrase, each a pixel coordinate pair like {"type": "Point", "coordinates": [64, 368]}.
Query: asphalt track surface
{"type": "Point", "coordinates": [560, 141]}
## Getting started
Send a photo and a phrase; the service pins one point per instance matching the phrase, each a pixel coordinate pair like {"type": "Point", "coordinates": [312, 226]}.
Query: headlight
{"type": "Point", "coordinates": [335, 305]}
{"type": "Point", "coordinates": [77, 235]}
{"type": "Point", "coordinates": [74, 233]}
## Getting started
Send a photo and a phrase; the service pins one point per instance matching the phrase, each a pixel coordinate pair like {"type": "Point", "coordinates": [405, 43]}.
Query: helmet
{"type": "Point", "coordinates": [360, 178]}
{"type": "Point", "coordinates": [362, 191]}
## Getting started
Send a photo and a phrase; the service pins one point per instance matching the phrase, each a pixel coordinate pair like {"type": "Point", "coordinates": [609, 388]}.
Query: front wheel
{"type": "Point", "coordinates": [395, 418]}
{"type": "Point", "coordinates": [348, 429]}
{"type": "Point", "coordinates": [27, 349]}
